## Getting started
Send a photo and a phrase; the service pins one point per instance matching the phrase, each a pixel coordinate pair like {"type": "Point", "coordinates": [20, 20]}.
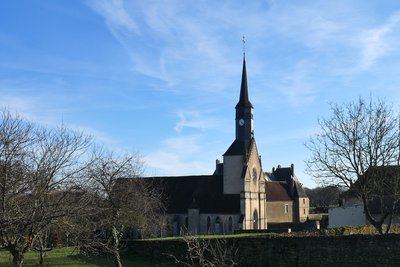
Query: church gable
{"type": "Point", "coordinates": [253, 174]}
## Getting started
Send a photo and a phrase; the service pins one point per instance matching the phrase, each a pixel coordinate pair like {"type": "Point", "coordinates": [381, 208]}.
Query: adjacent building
{"type": "Point", "coordinates": [383, 185]}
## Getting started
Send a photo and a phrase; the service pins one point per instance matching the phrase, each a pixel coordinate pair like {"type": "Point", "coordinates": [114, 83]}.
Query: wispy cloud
{"type": "Point", "coordinates": [194, 120]}
{"type": "Point", "coordinates": [115, 13]}
{"type": "Point", "coordinates": [377, 43]}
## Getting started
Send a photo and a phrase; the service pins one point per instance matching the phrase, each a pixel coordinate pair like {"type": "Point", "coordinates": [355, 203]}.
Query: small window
{"type": "Point", "coordinates": [286, 208]}
{"type": "Point", "coordinates": [304, 211]}
{"type": "Point", "coordinates": [304, 201]}
{"type": "Point", "coordinates": [208, 224]}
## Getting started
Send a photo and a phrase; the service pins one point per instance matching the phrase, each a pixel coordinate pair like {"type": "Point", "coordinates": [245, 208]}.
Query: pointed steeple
{"type": "Point", "coordinates": [244, 93]}
{"type": "Point", "coordinates": [244, 110]}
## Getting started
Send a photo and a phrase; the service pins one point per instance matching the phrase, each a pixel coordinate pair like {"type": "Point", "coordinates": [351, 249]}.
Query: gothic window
{"type": "Point", "coordinates": [186, 223]}
{"type": "Point", "coordinates": [254, 175]}
{"type": "Point", "coordinates": [176, 226]}
{"type": "Point", "coordinates": [218, 226]}
{"type": "Point", "coordinates": [255, 220]}
{"type": "Point", "coordinates": [208, 224]}
{"type": "Point", "coordinates": [304, 201]}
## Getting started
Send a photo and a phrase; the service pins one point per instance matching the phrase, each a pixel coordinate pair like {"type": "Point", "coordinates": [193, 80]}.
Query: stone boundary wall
{"type": "Point", "coordinates": [354, 250]}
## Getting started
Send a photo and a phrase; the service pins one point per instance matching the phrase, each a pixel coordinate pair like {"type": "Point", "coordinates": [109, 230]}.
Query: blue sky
{"type": "Point", "coordinates": [163, 77]}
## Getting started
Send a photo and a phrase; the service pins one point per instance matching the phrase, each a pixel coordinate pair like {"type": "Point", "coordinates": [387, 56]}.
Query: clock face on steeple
{"type": "Point", "coordinates": [241, 122]}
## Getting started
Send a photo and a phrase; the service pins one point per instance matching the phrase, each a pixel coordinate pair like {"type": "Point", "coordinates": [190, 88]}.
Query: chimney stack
{"type": "Point", "coordinates": [292, 169]}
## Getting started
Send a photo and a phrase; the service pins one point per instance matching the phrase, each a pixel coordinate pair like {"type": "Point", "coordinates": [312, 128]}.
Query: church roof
{"type": "Point", "coordinates": [204, 192]}
{"type": "Point", "coordinates": [244, 92]}
{"type": "Point", "coordinates": [277, 191]}
{"type": "Point", "coordinates": [239, 148]}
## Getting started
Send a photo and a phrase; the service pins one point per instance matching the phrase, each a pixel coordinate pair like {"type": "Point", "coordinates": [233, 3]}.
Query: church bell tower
{"type": "Point", "coordinates": [244, 111]}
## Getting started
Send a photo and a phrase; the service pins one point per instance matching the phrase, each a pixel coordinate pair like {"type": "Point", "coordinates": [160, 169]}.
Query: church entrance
{"type": "Point", "coordinates": [255, 220]}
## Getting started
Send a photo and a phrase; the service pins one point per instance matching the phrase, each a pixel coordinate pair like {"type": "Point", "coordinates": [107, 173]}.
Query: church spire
{"type": "Point", "coordinates": [244, 111]}
{"type": "Point", "coordinates": [244, 92]}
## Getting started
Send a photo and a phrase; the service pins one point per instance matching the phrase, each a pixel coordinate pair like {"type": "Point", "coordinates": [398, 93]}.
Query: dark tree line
{"type": "Point", "coordinates": [51, 180]}
{"type": "Point", "coordinates": [323, 197]}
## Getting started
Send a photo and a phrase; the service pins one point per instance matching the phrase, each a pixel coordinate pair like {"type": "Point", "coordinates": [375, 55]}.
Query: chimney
{"type": "Point", "coordinates": [273, 170]}
{"type": "Point", "coordinates": [217, 162]}
{"type": "Point", "coordinates": [292, 169]}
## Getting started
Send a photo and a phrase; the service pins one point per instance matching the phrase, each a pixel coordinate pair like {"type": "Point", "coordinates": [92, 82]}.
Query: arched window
{"type": "Point", "coordinates": [230, 225]}
{"type": "Point", "coordinates": [218, 226]}
{"type": "Point", "coordinates": [255, 220]}
{"type": "Point", "coordinates": [186, 223]}
{"type": "Point", "coordinates": [176, 226]}
{"type": "Point", "coordinates": [208, 224]}
{"type": "Point", "coordinates": [254, 175]}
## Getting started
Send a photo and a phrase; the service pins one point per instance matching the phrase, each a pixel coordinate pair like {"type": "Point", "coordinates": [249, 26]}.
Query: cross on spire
{"type": "Point", "coordinates": [244, 45]}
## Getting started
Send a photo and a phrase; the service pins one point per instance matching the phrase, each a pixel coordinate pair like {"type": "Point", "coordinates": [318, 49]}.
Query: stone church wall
{"type": "Point", "coordinates": [233, 166]}
{"type": "Point", "coordinates": [202, 224]}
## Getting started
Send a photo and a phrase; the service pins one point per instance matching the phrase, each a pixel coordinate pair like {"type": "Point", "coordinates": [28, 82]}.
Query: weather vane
{"type": "Point", "coordinates": [244, 45]}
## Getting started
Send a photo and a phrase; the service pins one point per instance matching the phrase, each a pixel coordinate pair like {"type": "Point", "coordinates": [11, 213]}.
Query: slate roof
{"type": "Point", "coordinates": [238, 148]}
{"type": "Point", "coordinates": [299, 191]}
{"type": "Point", "coordinates": [284, 175]}
{"type": "Point", "coordinates": [281, 174]}
{"type": "Point", "coordinates": [277, 191]}
{"type": "Point", "coordinates": [244, 93]}
{"type": "Point", "coordinates": [204, 192]}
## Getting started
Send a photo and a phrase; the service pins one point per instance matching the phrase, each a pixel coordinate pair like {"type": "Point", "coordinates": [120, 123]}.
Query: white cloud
{"type": "Point", "coordinates": [375, 42]}
{"type": "Point", "coordinates": [115, 13]}
{"type": "Point", "coordinates": [192, 119]}
{"type": "Point", "coordinates": [313, 25]}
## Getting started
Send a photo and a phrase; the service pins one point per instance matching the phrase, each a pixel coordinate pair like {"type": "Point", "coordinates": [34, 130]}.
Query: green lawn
{"type": "Point", "coordinates": [70, 258]}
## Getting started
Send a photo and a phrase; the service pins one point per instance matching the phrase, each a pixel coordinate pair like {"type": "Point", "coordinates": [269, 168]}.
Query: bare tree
{"type": "Point", "coordinates": [39, 171]}
{"type": "Point", "coordinates": [208, 253]}
{"type": "Point", "coordinates": [122, 203]}
{"type": "Point", "coordinates": [358, 137]}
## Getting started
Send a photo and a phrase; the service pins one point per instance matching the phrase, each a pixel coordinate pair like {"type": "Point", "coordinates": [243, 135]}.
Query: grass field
{"type": "Point", "coordinates": [70, 258]}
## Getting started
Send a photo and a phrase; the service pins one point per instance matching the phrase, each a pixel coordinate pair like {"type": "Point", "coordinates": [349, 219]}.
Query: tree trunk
{"type": "Point", "coordinates": [117, 259]}
{"type": "Point", "coordinates": [117, 256]}
{"type": "Point", "coordinates": [41, 258]}
{"type": "Point", "coordinates": [375, 223]}
{"type": "Point", "coordinates": [18, 259]}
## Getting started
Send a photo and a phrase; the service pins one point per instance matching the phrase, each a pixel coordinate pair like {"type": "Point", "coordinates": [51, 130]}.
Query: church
{"type": "Point", "coordinates": [239, 195]}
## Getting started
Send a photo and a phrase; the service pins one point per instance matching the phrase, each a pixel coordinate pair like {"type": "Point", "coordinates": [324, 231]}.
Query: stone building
{"type": "Point", "coordinates": [239, 194]}
{"type": "Point", "coordinates": [286, 200]}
